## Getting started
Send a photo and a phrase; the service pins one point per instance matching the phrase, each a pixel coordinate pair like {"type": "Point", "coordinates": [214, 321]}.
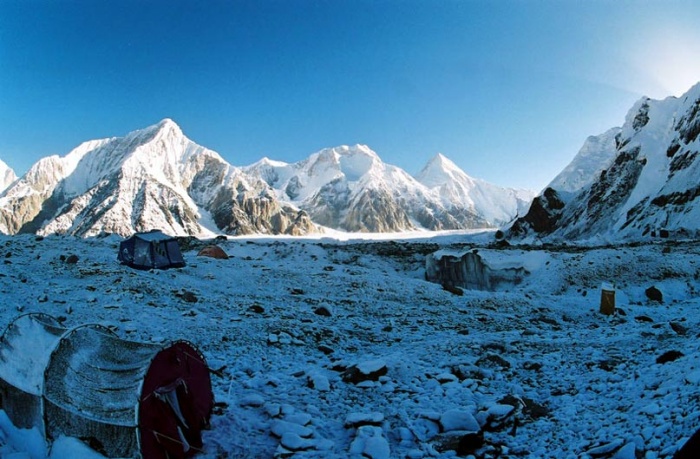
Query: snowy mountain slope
{"type": "Point", "coordinates": [366, 194]}
{"type": "Point", "coordinates": [7, 176]}
{"type": "Point", "coordinates": [158, 178]}
{"type": "Point", "coordinates": [596, 154]}
{"type": "Point", "coordinates": [151, 178]}
{"type": "Point", "coordinates": [651, 183]}
{"type": "Point", "coordinates": [350, 188]}
{"type": "Point", "coordinates": [496, 204]}
{"type": "Point", "coordinates": [511, 363]}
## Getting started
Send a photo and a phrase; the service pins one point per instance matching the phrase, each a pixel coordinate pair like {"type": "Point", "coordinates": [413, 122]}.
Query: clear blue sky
{"type": "Point", "coordinates": [508, 90]}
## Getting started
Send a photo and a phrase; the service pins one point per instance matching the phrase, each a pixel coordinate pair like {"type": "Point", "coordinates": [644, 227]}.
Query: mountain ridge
{"type": "Point", "coordinates": [647, 187]}
{"type": "Point", "coordinates": [498, 205]}
{"type": "Point", "coordinates": [156, 177]}
{"type": "Point", "coordinates": [150, 178]}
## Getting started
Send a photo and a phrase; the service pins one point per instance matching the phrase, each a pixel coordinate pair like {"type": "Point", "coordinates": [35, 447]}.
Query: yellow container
{"type": "Point", "coordinates": [607, 299]}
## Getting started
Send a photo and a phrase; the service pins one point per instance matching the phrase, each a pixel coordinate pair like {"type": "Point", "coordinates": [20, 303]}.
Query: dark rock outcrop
{"type": "Point", "coordinates": [654, 294]}
{"type": "Point", "coordinates": [648, 181]}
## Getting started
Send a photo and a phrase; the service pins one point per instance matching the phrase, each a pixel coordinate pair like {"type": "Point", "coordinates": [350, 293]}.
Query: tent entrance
{"type": "Point", "coordinates": [176, 403]}
{"type": "Point", "coordinates": [168, 394]}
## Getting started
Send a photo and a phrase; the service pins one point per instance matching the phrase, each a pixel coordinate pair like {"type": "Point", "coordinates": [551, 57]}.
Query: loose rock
{"type": "Point", "coordinates": [324, 311]}
{"type": "Point", "coordinates": [280, 428]}
{"type": "Point", "coordinates": [669, 356]}
{"type": "Point", "coordinates": [654, 294]}
{"type": "Point", "coordinates": [459, 420]}
{"type": "Point", "coordinates": [363, 419]}
{"type": "Point", "coordinates": [370, 443]}
{"type": "Point", "coordinates": [365, 371]}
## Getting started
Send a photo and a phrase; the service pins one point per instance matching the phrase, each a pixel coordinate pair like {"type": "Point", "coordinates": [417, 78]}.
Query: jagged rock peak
{"type": "Point", "coordinates": [353, 162]}
{"type": "Point", "coordinates": [352, 149]}
{"type": "Point", "coordinates": [167, 125]}
{"type": "Point", "coordinates": [645, 181]}
{"type": "Point", "coordinates": [164, 129]}
{"type": "Point", "coordinates": [348, 151]}
{"type": "Point", "coordinates": [266, 162]}
{"type": "Point", "coordinates": [438, 170]}
{"type": "Point", "coordinates": [441, 162]}
{"type": "Point", "coordinates": [7, 176]}
{"type": "Point", "coordinates": [158, 178]}
{"type": "Point", "coordinates": [595, 155]}
{"type": "Point", "coordinates": [452, 185]}
{"type": "Point", "coordinates": [272, 162]}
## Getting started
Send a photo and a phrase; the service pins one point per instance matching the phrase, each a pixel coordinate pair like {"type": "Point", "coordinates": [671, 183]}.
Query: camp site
{"type": "Point", "coordinates": [311, 349]}
{"type": "Point", "coordinates": [350, 229]}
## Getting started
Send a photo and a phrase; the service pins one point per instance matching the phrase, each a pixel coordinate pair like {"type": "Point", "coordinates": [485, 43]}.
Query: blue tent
{"type": "Point", "coordinates": [154, 249]}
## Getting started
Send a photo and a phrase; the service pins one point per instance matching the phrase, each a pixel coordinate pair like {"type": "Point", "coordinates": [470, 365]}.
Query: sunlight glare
{"type": "Point", "coordinates": [672, 61]}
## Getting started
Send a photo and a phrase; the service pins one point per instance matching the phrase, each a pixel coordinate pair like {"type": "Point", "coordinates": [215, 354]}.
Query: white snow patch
{"type": "Point", "coordinates": [595, 376]}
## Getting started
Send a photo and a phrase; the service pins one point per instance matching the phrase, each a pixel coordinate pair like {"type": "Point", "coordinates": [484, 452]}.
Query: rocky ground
{"type": "Point", "coordinates": [336, 349]}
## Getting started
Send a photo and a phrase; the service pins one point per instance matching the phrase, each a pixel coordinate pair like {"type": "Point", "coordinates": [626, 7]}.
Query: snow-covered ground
{"type": "Point", "coordinates": [282, 318]}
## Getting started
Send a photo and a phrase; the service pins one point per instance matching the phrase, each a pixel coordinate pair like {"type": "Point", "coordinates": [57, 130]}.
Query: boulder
{"type": "Point", "coordinates": [363, 419]}
{"type": "Point", "coordinates": [459, 420]}
{"type": "Point", "coordinates": [369, 370]}
{"type": "Point", "coordinates": [318, 381]}
{"type": "Point", "coordinates": [294, 442]}
{"type": "Point", "coordinates": [678, 328]}
{"type": "Point", "coordinates": [654, 294]}
{"type": "Point", "coordinates": [425, 429]}
{"type": "Point", "coordinates": [324, 311]}
{"type": "Point", "coordinates": [498, 416]}
{"type": "Point", "coordinates": [281, 428]}
{"type": "Point", "coordinates": [370, 443]}
{"type": "Point", "coordinates": [463, 443]}
{"type": "Point", "coordinates": [669, 356]}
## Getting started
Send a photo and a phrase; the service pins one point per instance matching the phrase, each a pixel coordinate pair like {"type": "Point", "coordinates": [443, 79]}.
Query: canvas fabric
{"type": "Point", "coordinates": [150, 250]}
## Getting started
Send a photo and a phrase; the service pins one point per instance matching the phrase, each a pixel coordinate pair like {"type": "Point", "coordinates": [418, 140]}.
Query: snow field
{"type": "Point", "coordinates": [585, 382]}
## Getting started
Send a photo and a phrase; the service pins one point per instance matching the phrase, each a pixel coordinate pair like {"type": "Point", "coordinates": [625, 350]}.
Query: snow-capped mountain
{"type": "Point", "coordinates": [7, 176]}
{"type": "Point", "coordinates": [151, 178]}
{"type": "Point", "coordinates": [596, 154]}
{"type": "Point", "coordinates": [647, 179]}
{"type": "Point", "coordinates": [158, 178]}
{"type": "Point", "coordinates": [352, 189]}
{"type": "Point", "coordinates": [451, 185]}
